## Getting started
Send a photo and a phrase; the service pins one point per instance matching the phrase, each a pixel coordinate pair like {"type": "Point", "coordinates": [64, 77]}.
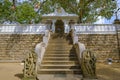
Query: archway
{"type": "Point", "coordinates": [59, 26]}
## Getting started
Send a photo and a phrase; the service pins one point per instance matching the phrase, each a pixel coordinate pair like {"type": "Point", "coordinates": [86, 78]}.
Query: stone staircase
{"type": "Point", "coordinates": [60, 57]}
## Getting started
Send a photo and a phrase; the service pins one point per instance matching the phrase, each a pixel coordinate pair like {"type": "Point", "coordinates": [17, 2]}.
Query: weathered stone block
{"type": "Point", "coordinates": [13, 46]}
{"type": "Point", "coordinates": [104, 45]}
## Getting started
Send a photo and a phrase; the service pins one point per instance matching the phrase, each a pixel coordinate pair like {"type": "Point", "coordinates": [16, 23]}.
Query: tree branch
{"type": "Point", "coordinates": [41, 5]}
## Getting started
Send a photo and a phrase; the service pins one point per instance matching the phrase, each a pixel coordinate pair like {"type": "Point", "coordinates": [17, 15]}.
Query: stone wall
{"type": "Point", "coordinates": [104, 45]}
{"type": "Point", "coordinates": [119, 42]}
{"type": "Point", "coordinates": [13, 47]}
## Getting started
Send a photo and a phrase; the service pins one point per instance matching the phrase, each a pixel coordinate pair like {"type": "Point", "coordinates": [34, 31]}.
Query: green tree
{"type": "Point", "coordinates": [6, 11]}
{"type": "Point", "coordinates": [25, 13]}
{"type": "Point", "coordinates": [87, 10]}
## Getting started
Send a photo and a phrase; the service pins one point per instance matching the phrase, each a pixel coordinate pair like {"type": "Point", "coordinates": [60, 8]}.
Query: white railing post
{"type": "Point", "coordinates": [74, 36]}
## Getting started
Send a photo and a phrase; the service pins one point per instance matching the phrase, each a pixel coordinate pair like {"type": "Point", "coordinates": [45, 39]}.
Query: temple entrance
{"type": "Point", "coordinates": [59, 26]}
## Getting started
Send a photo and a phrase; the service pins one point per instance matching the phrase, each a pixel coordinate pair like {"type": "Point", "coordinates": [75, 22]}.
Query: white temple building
{"type": "Point", "coordinates": [60, 16]}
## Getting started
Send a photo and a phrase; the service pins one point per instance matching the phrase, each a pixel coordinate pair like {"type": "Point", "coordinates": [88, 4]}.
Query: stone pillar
{"type": "Point", "coordinates": [67, 27]}
{"type": "Point", "coordinates": [53, 25]}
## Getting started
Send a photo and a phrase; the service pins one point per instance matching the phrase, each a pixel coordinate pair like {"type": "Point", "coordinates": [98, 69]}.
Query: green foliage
{"type": "Point", "coordinates": [87, 10]}
{"type": "Point", "coordinates": [25, 13]}
{"type": "Point", "coordinates": [5, 11]}
{"type": "Point", "coordinates": [47, 7]}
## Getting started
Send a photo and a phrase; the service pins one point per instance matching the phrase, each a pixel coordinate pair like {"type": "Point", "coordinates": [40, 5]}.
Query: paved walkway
{"type": "Point", "coordinates": [13, 71]}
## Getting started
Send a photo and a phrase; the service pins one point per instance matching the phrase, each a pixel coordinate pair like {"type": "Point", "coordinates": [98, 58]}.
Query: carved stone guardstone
{"type": "Point", "coordinates": [30, 65]}
{"type": "Point", "coordinates": [88, 65]}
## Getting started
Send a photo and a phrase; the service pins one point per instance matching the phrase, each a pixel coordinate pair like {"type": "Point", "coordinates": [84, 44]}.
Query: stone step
{"type": "Point", "coordinates": [59, 66]}
{"type": "Point", "coordinates": [59, 44]}
{"type": "Point", "coordinates": [66, 48]}
{"type": "Point", "coordinates": [59, 71]}
{"type": "Point", "coordinates": [59, 76]}
{"type": "Point", "coordinates": [59, 36]}
{"type": "Point", "coordinates": [60, 52]}
{"type": "Point", "coordinates": [60, 58]}
{"type": "Point", "coordinates": [59, 55]}
{"type": "Point", "coordinates": [60, 41]}
{"type": "Point", "coordinates": [59, 49]}
{"type": "Point", "coordinates": [60, 62]}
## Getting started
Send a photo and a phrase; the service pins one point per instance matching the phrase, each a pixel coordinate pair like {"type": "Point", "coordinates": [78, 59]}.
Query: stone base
{"type": "Point", "coordinates": [59, 77]}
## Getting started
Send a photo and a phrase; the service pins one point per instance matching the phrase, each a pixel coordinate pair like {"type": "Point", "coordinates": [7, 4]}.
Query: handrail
{"type": "Point", "coordinates": [80, 47]}
{"type": "Point", "coordinates": [41, 48]}
{"type": "Point", "coordinates": [32, 60]}
{"type": "Point", "coordinates": [74, 36]}
{"type": "Point", "coordinates": [82, 53]}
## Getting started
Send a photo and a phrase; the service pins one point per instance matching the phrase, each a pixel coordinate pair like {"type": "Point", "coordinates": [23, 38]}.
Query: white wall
{"type": "Point", "coordinates": [25, 29]}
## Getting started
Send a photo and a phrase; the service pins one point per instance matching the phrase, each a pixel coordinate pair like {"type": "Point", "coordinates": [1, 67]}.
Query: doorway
{"type": "Point", "coordinates": [59, 26]}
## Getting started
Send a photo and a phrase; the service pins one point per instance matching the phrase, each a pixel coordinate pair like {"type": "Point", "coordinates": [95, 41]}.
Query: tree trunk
{"type": "Point", "coordinates": [14, 3]}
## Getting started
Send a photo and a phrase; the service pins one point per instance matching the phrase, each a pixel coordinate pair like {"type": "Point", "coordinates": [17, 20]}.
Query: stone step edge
{"type": "Point", "coordinates": [63, 65]}
{"type": "Point", "coordinates": [60, 61]}
{"type": "Point", "coordinates": [60, 53]}
{"type": "Point", "coordinates": [59, 70]}
{"type": "Point", "coordinates": [59, 57]}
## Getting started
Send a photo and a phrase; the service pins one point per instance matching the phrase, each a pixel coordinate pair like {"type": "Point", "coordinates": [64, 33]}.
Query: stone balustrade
{"type": "Point", "coordinates": [41, 47]}
{"type": "Point", "coordinates": [23, 29]}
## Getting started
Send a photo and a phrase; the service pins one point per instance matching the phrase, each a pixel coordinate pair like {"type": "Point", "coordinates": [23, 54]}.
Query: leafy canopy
{"type": "Point", "coordinates": [87, 10]}
{"type": "Point", "coordinates": [26, 12]}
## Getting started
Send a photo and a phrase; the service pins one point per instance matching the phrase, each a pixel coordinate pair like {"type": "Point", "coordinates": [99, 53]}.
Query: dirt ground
{"type": "Point", "coordinates": [108, 71]}
{"type": "Point", "coordinates": [13, 71]}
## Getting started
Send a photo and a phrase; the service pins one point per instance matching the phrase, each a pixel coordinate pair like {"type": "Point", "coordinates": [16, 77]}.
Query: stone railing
{"type": "Point", "coordinates": [86, 59]}
{"type": "Point", "coordinates": [74, 36]}
{"type": "Point", "coordinates": [33, 61]}
{"type": "Point", "coordinates": [95, 28]}
{"type": "Point", "coordinates": [80, 47]}
{"type": "Point", "coordinates": [41, 47]}
{"type": "Point", "coordinates": [23, 29]}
